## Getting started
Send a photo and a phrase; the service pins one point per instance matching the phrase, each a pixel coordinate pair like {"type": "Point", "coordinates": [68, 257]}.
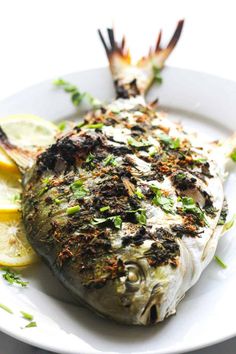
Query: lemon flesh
{"type": "Point", "coordinates": [28, 131]}
{"type": "Point", "coordinates": [15, 251]}
{"type": "Point", "coordinates": [10, 192]}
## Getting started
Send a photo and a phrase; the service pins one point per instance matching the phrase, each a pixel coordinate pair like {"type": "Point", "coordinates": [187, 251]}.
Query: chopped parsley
{"type": "Point", "coordinates": [165, 203]}
{"type": "Point", "coordinates": [13, 278]}
{"type": "Point", "coordinates": [180, 176]}
{"type": "Point", "coordinates": [31, 324]}
{"type": "Point", "coordinates": [62, 126]}
{"type": "Point", "coordinates": [105, 208]}
{"type": "Point", "coordinates": [189, 206]}
{"type": "Point", "coordinates": [89, 160]}
{"type": "Point", "coordinates": [137, 144]}
{"type": "Point", "coordinates": [233, 155]}
{"type": "Point", "coordinates": [46, 182]}
{"type": "Point", "coordinates": [229, 224]}
{"type": "Point", "coordinates": [139, 193]}
{"type": "Point", "coordinates": [157, 76]}
{"type": "Point", "coordinates": [95, 126]}
{"type": "Point", "coordinates": [58, 201]}
{"type": "Point", "coordinates": [27, 316]}
{"type": "Point", "coordinates": [73, 210]}
{"type": "Point", "coordinates": [200, 160]}
{"type": "Point", "coordinates": [17, 198]}
{"type": "Point", "coordinates": [116, 220]}
{"type": "Point", "coordinates": [78, 190]}
{"type": "Point", "coordinates": [80, 124]}
{"type": "Point", "coordinates": [141, 217]}
{"type": "Point", "coordinates": [220, 262]}
{"type": "Point", "coordinates": [76, 96]}
{"type": "Point", "coordinates": [6, 308]}
{"type": "Point", "coordinates": [170, 142]}
{"type": "Point", "coordinates": [110, 160]}
{"type": "Point", "coordinates": [152, 151]}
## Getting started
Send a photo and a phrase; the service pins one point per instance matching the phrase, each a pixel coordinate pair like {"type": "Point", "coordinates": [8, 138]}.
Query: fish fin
{"type": "Point", "coordinates": [134, 79]}
{"type": "Point", "coordinates": [21, 157]}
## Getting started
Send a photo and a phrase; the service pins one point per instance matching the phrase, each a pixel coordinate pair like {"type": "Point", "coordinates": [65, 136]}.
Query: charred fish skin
{"type": "Point", "coordinates": [125, 208]}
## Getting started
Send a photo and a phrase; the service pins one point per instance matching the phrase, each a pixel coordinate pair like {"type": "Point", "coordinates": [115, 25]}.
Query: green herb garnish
{"type": "Point", "coordinates": [139, 193]}
{"type": "Point", "coordinates": [229, 224]}
{"type": "Point", "coordinates": [157, 76]}
{"type": "Point", "coordinates": [89, 160]}
{"type": "Point", "coordinates": [78, 190]}
{"type": "Point", "coordinates": [75, 95]}
{"type": "Point", "coordinates": [170, 142]}
{"type": "Point", "coordinates": [110, 160]}
{"type": "Point", "coordinates": [200, 160]}
{"type": "Point", "coordinates": [138, 144]}
{"type": "Point", "coordinates": [13, 278]}
{"type": "Point", "coordinates": [141, 217]}
{"type": "Point", "coordinates": [165, 203]}
{"type": "Point", "coordinates": [233, 155]}
{"type": "Point", "coordinates": [152, 151]}
{"type": "Point", "coordinates": [220, 262]}
{"type": "Point", "coordinates": [116, 220]}
{"type": "Point", "coordinates": [58, 201]}
{"type": "Point", "coordinates": [190, 206]}
{"type": "Point", "coordinates": [105, 208]}
{"type": "Point", "coordinates": [73, 210]}
{"type": "Point", "coordinates": [17, 198]}
{"type": "Point", "coordinates": [27, 316]}
{"type": "Point", "coordinates": [31, 324]}
{"type": "Point", "coordinates": [80, 124]}
{"type": "Point", "coordinates": [6, 308]}
{"type": "Point", "coordinates": [180, 176]}
{"type": "Point", "coordinates": [95, 126]}
{"type": "Point", "coordinates": [62, 126]}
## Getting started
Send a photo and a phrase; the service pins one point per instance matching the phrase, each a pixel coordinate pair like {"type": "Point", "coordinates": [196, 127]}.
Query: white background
{"type": "Point", "coordinates": [46, 39]}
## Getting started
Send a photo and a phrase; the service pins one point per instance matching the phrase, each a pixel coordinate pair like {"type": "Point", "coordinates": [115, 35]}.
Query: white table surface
{"type": "Point", "coordinates": [48, 38]}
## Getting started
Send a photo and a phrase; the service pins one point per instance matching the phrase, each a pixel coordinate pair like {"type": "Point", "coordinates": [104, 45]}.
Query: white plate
{"type": "Point", "coordinates": [207, 314]}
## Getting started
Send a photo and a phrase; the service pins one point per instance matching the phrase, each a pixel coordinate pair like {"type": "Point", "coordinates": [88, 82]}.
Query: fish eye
{"type": "Point", "coordinates": [134, 276]}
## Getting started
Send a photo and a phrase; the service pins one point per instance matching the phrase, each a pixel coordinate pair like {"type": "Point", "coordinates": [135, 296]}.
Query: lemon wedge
{"type": "Point", "coordinates": [26, 131]}
{"type": "Point", "coordinates": [15, 250]}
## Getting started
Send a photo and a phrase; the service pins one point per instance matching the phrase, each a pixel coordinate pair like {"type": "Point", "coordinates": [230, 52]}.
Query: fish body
{"type": "Point", "coordinates": [126, 208]}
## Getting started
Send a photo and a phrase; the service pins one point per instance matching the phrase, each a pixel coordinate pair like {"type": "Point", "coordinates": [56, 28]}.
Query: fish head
{"type": "Point", "coordinates": [143, 294]}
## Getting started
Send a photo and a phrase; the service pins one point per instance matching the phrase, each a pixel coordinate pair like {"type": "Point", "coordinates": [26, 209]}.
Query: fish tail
{"type": "Point", "coordinates": [134, 79]}
{"type": "Point", "coordinates": [21, 157]}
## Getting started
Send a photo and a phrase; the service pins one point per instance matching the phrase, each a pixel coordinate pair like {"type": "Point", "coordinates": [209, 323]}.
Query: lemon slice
{"type": "Point", "coordinates": [29, 131]}
{"type": "Point", "coordinates": [15, 250]}
{"type": "Point", "coordinates": [10, 192]}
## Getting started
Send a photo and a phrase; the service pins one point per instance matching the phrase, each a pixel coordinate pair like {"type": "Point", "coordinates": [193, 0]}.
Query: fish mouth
{"type": "Point", "coordinates": [150, 313]}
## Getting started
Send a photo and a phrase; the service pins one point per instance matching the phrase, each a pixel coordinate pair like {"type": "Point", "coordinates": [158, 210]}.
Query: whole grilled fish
{"type": "Point", "coordinates": [126, 208]}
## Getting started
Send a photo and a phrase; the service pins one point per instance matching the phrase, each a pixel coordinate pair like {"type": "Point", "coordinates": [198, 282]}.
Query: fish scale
{"type": "Point", "coordinates": [124, 208]}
